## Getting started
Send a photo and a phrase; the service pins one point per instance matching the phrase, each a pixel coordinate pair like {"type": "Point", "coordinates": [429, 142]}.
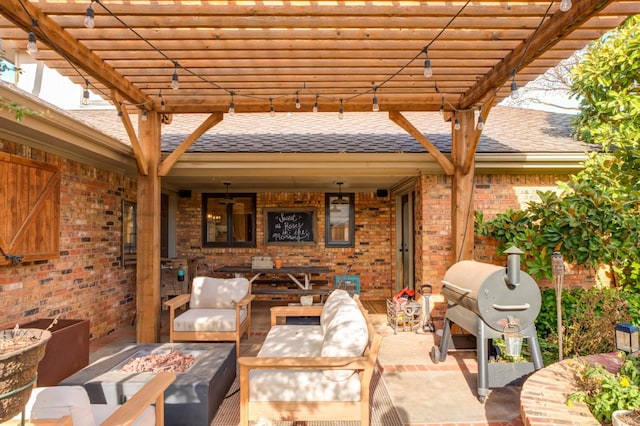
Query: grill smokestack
{"type": "Point", "coordinates": [513, 266]}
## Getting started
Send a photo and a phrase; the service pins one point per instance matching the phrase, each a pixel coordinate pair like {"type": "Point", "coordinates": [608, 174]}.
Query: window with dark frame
{"type": "Point", "coordinates": [340, 221]}
{"type": "Point", "coordinates": [228, 220]}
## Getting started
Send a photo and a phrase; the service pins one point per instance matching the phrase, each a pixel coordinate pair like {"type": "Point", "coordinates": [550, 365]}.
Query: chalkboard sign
{"type": "Point", "coordinates": [290, 226]}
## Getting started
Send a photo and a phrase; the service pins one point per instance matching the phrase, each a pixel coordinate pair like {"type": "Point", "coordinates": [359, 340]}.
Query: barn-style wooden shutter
{"type": "Point", "coordinates": [30, 206]}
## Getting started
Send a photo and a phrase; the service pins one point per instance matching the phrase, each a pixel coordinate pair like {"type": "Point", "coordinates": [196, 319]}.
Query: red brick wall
{"type": "Point", "coordinates": [87, 280]}
{"type": "Point", "coordinates": [371, 257]}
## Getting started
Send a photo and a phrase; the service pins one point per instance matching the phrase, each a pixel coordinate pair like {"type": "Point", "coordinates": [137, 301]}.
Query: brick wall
{"type": "Point", "coordinates": [87, 281]}
{"type": "Point", "coordinates": [371, 257]}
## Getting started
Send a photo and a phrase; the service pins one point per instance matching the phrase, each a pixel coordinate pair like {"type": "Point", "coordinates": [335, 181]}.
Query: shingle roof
{"type": "Point", "coordinates": [507, 130]}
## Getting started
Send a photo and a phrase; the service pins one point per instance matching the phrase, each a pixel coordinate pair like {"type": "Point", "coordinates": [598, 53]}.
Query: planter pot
{"type": "Point", "coordinates": [625, 418]}
{"type": "Point", "coordinates": [18, 368]}
{"type": "Point", "coordinates": [67, 351]}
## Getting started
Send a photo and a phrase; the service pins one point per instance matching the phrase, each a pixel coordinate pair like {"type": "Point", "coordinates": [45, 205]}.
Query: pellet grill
{"type": "Point", "coordinates": [492, 302]}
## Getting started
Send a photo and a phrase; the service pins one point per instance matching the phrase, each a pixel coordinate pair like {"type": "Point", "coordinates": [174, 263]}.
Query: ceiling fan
{"type": "Point", "coordinates": [227, 198]}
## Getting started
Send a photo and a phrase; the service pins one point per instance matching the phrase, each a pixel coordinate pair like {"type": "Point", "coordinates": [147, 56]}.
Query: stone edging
{"type": "Point", "coordinates": [545, 392]}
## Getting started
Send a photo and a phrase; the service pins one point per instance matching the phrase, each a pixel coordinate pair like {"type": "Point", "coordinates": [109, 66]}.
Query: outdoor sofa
{"type": "Point", "coordinates": [312, 372]}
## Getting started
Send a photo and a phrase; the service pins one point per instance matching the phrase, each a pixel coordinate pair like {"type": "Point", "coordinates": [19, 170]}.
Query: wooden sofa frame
{"type": "Point", "coordinates": [181, 300]}
{"type": "Point", "coordinates": [152, 392]}
{"type": "Point", "coordinates": [310, 410]}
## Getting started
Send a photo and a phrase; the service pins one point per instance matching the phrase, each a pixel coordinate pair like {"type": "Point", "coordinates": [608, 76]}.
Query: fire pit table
{"type": "Point", "coordinates": [192, 399]}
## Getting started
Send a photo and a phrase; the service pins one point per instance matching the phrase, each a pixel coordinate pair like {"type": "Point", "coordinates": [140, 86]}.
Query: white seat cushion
{"type": "Point", "coordinates": [208, 320]}
{"type": "Point", "coordinates": [102, 411]}
{"type": "Point", "coordinates": [292, 340]}
{"type": "Point", "coordinates": [217, 293]}
{"type": "Point", "coordinates": [310, 385]}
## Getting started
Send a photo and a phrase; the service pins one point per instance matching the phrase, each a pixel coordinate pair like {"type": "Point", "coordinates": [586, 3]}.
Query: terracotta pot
{"type": "Point", "coordinates": [618, 419]}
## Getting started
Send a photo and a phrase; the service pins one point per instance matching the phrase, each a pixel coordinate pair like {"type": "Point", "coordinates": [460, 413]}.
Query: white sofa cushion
{"type": "Point", "coordinates": [292, 340]}
{"type": "Point", "coordinates": [336, 299]}
{"type": "Point", "coordinates": [208, 320]}
{"type": "Point", "coordinates": [299, 385]}
{"type": "Point", "coordinates": [217, 293]}
{"type": "Point", "coordinates": [55, 402]}
{"type": "Point", "coordinates": [346, 335]}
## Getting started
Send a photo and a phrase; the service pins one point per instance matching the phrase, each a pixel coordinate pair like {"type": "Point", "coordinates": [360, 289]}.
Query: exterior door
{"type": "Point", "coordinates": [405, 223]}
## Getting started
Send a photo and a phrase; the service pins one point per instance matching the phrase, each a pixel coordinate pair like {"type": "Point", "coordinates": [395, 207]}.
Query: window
{"type": "Point", "coordinates": [229, 220]}
{"type": "Point", "coordinates": [339, 213]}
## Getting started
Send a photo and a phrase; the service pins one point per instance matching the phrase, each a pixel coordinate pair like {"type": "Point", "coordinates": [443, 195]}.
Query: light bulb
{"type": "Point", "coordinates": [119, 115]}
{"type": "Point", "coordinates": [85, 97]}
{"type": "Point", "coordinates": [32, 46]}
{"type": "Point", "coordinates": [480, 124]}
{"type": "Point", "coordinates": [315, 105]}
{"type": "Point", "coordinates": [341, 111]}
{"type": "Point", "coordinates": [375, 107]}
{"type": "Point", "coordinates": [144, 115]}
{"type": "Point", "coordinates": [565, 5]}
{"type": "Point", "coordinates": [514, 90]}
{"type": "Point", "coordinates": [298, 104]}
{"type": "Point", "coordinates": [175, 84]}
{"type": "Point", "coordinates": [428, 72]}
{"type": "Point", "coordinates": [272, 111]}
{"type": "Point", "coordinates": [89, 21]}
{"type": "Point", "coordinates": [442, 109]}
{"type": "Point", "coordinates": [232, 108]}
{"type": "Point", "coordinates": [456, 124]}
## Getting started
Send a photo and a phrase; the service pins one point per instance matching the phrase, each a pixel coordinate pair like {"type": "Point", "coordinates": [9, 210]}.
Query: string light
{"type": "Point", "coordinates": [341, 111]}
{"type": "Point", "coordinates": [144, 115]}
{"type": "Point", "coordinates": [85, 93]}
{"type": "Point", "coordinates": [272, 110]}
{"type": "Point", "coordinates": [175, 84]}
{"type": "Point", "coordinates": [442, 106]}
{"type": "Point", "coordinates": [515, 94]}
{"type": "Point", "coordinates": [89, 21]}
{"type": "Point", "coordinates": [480, 124]}
{"type": "Point", "coordinates": [32, 46]}
{"type": "Point", "coordinates": [232, 105]}
{"type": "Point", "coordinates": [428, 72]}
{"type": "Point", "coordinates": [456, 124]}
{"type": "Point", "coordinates": [565, 5]}
{"type": "Point", "coordinates": [375, 107]}
{"type": "Point", "coordinates": [120, 110]}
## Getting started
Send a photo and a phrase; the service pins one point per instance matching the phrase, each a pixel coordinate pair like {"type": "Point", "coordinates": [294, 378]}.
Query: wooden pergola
{"type": "Point", "coordinates": [290, 55]}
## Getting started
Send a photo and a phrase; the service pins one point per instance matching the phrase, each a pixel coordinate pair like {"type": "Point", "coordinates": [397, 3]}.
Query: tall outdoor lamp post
{"type": "Point", "coordinates": [557, 269]}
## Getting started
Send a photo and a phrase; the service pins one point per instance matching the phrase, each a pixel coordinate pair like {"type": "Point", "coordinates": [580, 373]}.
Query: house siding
{"type": "Point", "coordinates": [87, 280]}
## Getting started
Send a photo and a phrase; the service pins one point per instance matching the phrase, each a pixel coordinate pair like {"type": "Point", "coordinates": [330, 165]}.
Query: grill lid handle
{"type": "Point", "coordinates": [511, 307]}
{"type": "Point", "coordinates": [455, 287]}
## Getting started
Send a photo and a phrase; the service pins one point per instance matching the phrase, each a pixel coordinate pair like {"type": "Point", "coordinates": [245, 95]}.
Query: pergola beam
{"type": "Point", "coordinates": [550, 33]}
{"type": "Point", "coordinates": [23, 14]}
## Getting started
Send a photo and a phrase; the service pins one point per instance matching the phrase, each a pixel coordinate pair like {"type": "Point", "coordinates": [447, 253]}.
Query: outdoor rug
{"type": "Point", "coordinates": [383, 412]}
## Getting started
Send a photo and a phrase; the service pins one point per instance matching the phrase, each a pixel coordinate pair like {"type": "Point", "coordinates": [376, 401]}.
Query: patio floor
{"type": "Point", "coordinates": [423, 393]}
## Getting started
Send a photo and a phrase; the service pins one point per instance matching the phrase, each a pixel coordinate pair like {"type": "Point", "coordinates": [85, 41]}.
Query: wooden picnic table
{"type": "Point", "coordinates": [290, 271]}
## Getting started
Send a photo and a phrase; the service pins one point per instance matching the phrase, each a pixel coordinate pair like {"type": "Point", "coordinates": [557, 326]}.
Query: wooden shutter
{"type": "Point", "coordinates": [30, 206]}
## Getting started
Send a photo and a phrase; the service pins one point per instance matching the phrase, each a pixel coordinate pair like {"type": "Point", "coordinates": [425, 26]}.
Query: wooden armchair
{"type": "Point", "coordinates": [219, 310]}
{"type": "Point", "coordinates": [66, 405]}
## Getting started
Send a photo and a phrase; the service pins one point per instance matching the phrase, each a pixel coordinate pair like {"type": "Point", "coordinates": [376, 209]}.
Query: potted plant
{"type": "Point", "coordinates": [20, 352]}
{"type": "Point", "coordinates": [625, 418]}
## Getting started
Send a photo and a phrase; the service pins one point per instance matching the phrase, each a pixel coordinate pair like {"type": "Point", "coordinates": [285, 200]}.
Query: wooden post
{"type": "Point", "coordinates": [148, 234]}
{"type": "Point", "coordinates": [462, 203]}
